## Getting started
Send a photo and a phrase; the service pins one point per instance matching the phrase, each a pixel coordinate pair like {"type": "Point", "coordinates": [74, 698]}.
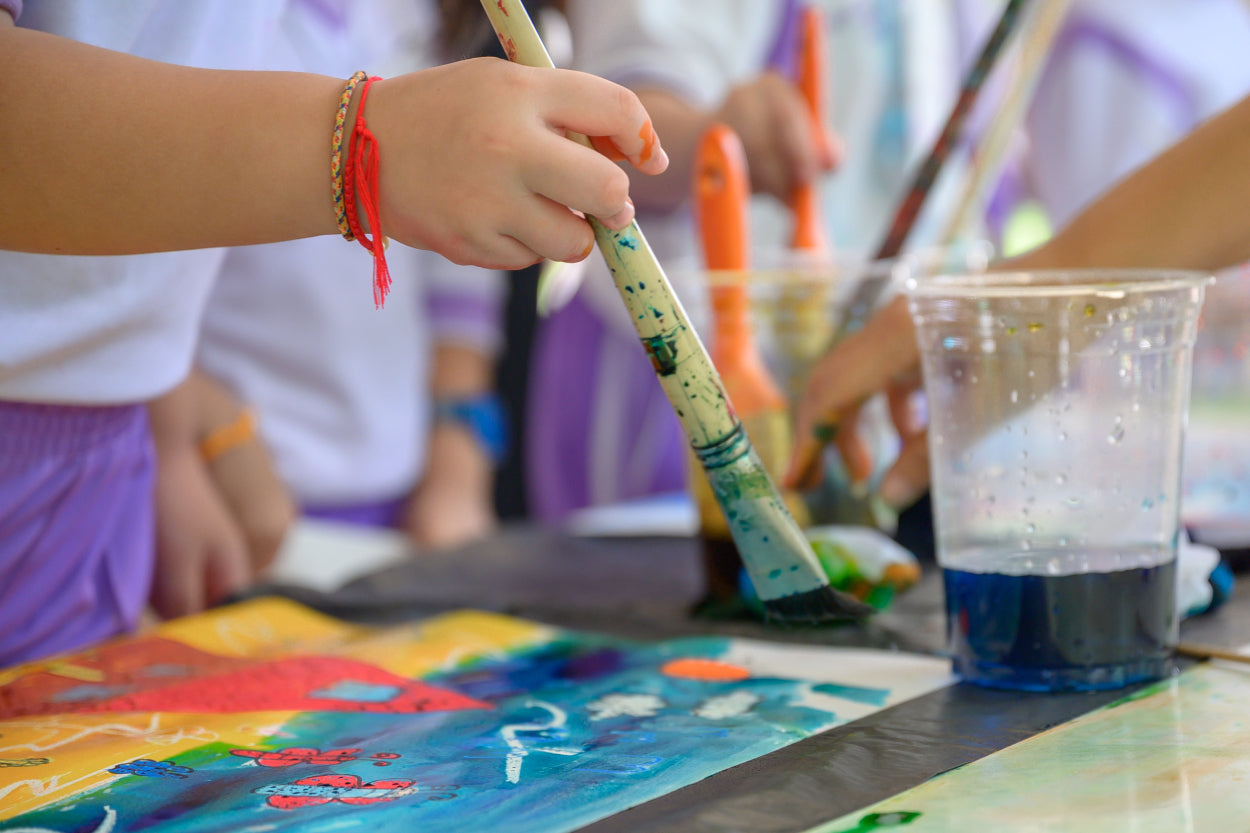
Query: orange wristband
{"type": "Point", "coordinates": [237, 432]}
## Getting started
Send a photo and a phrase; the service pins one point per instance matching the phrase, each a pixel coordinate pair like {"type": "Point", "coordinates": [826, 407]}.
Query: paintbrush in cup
{"type": "Point", "coordinates": [874, 283]}
{"type": "Point", "coordinates": [803, 302]}
{"type": "Point", "coordinates": [870, 289]}
{"type": "Point", "coordinates": [774, 550]}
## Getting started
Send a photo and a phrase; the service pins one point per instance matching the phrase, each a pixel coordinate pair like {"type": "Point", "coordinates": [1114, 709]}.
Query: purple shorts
{"type": "Point", "coordinates": [387, 514]}
{"type": "Point", "coordinates": [76, 525]}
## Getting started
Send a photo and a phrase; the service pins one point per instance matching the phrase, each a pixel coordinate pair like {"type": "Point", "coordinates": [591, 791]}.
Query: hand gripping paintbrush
{"type": "Point", "coordinates": [780, 561]}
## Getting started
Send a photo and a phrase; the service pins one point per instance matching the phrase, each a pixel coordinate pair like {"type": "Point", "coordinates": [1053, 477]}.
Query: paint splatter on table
{"type": "Point", "coordinates": [267, 716]}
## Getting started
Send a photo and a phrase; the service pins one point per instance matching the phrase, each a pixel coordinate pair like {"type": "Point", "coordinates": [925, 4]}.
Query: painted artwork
{"type": "Point", "coordinates": [267, 716]}
{"type": "Point", "coordinates": [1172, 757]}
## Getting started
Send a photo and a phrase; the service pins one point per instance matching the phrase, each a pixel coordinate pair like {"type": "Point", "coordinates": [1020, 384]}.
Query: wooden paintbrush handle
{"type": "Point", "coordinates": [775, 552]}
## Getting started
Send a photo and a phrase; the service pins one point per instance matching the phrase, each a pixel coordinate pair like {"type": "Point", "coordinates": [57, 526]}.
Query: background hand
{"type": "Point", "coordinates": [453, 503]}
{"type": "Point", "coordinates": [200, 554]}
{"type": "Point", "coordinates": [777, 132]}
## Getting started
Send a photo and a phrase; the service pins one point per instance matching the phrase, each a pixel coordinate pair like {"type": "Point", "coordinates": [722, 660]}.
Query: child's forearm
{"type": "Point", "coordinates": [1185, 209]}
{"type": "Point", "coordinates": [106, 153]}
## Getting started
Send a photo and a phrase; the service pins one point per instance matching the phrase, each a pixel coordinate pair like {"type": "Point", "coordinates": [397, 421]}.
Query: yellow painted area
{"type": "Point", "coordinates": [444, 642]}
{"type": "Point", "coordinates": [261, 627]}
{"type": "Point", "coordinates": [82, 747]}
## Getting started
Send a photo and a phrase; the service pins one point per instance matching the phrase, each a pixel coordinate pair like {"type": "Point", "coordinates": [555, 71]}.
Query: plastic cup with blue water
{"type": "Point", "coordinates": [1057, 405]}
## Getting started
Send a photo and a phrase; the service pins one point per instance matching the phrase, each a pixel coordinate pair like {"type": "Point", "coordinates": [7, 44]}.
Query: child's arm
{"type": "Point", "coordinates": [201, 556]}
{"type": "Point", "coordinates": [106, 153]}
{"type": "Point", "coordinates": [219, 519]}
{"type": "Point", "coordinates": [1184, 209]}
{"type": "Point", "coordinates": [454, 501]}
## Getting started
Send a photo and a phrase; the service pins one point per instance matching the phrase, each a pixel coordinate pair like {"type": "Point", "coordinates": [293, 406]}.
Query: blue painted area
{"type": "Point", "coordinates": [589, 726]}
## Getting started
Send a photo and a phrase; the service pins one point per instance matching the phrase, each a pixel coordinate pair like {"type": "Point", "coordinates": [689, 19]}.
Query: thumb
{"type": "Point", "coordinates": [908, 478]}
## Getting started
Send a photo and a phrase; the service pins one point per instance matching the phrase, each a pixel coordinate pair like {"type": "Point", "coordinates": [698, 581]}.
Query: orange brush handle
{"type": "Point", "coordinates": [722, 194]}
{"type": "Point", "coordinates": [809, 233]}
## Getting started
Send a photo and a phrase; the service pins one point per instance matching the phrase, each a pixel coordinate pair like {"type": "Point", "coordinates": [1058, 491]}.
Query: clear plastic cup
{"type": "Point", "coordinates": [1057, 405]}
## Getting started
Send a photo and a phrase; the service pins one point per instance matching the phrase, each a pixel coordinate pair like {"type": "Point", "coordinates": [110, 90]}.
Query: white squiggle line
{"type": "Point", "coordinates": [38, 788]}
{"type": "Point", "coordinates": [517, 750]}
{"type": "Point", "coordinates": [105, 826]}
{"type": "Point", "coordinates": [151, 733]}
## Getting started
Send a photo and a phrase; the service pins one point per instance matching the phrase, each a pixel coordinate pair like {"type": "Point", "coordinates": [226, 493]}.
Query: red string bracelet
{"type": "Point", "coordinates": [360, 179]}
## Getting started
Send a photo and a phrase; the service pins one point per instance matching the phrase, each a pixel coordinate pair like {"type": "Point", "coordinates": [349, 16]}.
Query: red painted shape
{"type": "Point", "coordinates": [299, 755]}
{"type": "Point", "coordinates": [352, 782]}
{"type": "Point", "coordinates": [131, 665]}
{"type": "Point", "coordinates": [292, 685]}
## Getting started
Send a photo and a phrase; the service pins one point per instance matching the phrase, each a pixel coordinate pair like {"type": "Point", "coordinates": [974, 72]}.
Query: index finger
{"type": "Point", "coordinates": [597, 107]}
{"type": "Point", "coordinates": [853, 370]}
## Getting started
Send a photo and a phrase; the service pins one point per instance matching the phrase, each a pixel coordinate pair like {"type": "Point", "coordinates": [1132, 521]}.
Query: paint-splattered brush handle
{"type": "Point", "coordinates": [869, 291]}
{"type": "Point", "coordinates": [773, 548]}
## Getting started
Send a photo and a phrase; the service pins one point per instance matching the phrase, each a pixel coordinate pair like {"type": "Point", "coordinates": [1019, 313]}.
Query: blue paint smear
{"type": "Point", "coordinates": [868, 696]}
{"type": "Point", "coordinates": [570, 774]}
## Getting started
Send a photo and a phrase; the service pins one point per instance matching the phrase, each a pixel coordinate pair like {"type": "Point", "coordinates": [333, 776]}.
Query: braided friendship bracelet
{"type": "Point", "coordinates": [336, 154]}
{"type": "Point", "coordinates": [360, 181]}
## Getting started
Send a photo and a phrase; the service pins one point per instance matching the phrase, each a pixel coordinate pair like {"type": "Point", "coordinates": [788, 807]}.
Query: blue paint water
{"type": "Point", "coordinates": [1082, 631]}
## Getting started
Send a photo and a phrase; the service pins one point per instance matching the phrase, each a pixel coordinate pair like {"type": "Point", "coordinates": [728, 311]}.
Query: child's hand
{"type": "Point", "coordinates": [475, 164]}
{"type": "Point", "coordinates": [200, 554]}
{"type": "Point", "coordinates": [881, 357]}
{"type": "Point", "coordinates": [452, 505]}
{"type": "Point", "coordinates": [247, 482]}
{"type": "Point", "coordinates": [778, 135]}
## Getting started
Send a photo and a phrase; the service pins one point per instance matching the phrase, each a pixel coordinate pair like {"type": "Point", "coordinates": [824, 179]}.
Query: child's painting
{"type": "Point", "coordinates": [267, 716]}
{"type": "Point", "coordinates": [1174, 757]}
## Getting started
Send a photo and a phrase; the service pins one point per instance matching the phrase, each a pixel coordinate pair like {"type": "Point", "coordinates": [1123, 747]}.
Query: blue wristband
{"type": "Point", "coordinates": [483, 416]}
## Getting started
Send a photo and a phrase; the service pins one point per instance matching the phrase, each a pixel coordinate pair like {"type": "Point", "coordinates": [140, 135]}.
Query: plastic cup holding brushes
{"type": "Point", "coordinates": [782, 565]}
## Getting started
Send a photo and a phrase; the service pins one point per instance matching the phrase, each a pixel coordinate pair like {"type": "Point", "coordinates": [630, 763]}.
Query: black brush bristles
{"type": "Point", "coordinates": [824, 604]}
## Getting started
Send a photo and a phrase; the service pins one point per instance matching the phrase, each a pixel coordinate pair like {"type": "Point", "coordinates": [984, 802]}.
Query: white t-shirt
{"type": "Point", "coordinates": [105, 330]}
{"type": "Point", "coordinates": [341, 388]}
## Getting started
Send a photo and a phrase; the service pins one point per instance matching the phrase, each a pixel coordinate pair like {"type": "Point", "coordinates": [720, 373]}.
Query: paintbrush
{"type": "Point", "coordinates": [775, 552]}
{"type": "Point", "coordinates": [1036, 38]}
{"type": "Point", "coordinates": [722, 193]}
{"type": "Point", "coordinates": [803, 303]}
{"type": "Point", "coordinates": [1196, 651]}
{"type": "Point", "coordinates": [874, 282]}
{"type": "Point", "coordinates": [808, 234]}
{"type": "Point", "coordinates": [870, 288]}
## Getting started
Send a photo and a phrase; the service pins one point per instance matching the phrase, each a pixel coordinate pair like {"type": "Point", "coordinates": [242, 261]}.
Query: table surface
{"type": "Point", "coordinates": [644, 587]}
